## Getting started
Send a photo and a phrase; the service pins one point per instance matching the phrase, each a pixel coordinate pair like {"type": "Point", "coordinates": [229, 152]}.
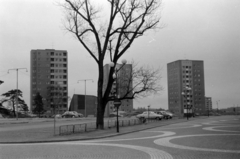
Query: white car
{"type": "Point", "coordinates": [150, 115]}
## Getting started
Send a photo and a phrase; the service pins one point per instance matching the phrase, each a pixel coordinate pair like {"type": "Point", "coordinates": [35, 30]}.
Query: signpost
{"type": "Point", "coordinates": [117, 103]}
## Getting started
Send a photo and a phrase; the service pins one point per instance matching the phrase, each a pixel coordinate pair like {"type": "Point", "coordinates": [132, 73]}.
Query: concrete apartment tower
{"type": "Point", "coordinates": [122, 75]}
{"type": "Point", "coordinates": [208, 104]}
{"type": "Point", "coordinates": [49, 77]}
{"type": "Point", "coordinates": [186, 87]}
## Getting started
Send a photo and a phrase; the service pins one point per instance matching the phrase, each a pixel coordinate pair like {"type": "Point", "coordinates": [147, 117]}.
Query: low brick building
{"type": "Point", "coordinates": [78, 104]}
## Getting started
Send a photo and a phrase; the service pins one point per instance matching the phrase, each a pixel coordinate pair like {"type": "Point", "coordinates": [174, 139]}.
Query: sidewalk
{"type": "Point", "coordinates": [46, 134]}
{"type": "Point", "coordinates": [4, 121]}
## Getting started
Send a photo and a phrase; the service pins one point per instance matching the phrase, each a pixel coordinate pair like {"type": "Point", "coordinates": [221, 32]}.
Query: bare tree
{"type": "Point", "coordinates": [141, 82]}
{"type": "Point", "coordinates": [127, 20]}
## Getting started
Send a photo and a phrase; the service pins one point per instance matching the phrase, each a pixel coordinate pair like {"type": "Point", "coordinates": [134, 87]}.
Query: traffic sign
{"type": "Point", "coordinates": [117, 102]}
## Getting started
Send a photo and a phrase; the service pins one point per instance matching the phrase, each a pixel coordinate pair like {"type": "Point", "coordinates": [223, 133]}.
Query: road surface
{"type": "Point", "coordinates": [209, 138]}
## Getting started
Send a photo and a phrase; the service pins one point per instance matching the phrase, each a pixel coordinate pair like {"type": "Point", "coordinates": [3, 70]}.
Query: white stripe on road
{"type": "Point", "coordinates": [213, 128]}
{"type": "Point", "coordinates": [166, 142]}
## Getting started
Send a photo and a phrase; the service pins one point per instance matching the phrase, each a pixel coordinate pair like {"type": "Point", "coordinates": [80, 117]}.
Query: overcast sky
{"type": "Point", "coordinates": [207, 30]}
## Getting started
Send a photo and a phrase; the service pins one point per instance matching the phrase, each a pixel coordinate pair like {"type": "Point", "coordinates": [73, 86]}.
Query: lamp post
{"type": "Point", "coordinates": [185, 96]}
{"type": "Point", "coordinates": [148, 112]}
{"type": "Point", "coordinates": [208, 110]}
{"type": "Point", "coordinates": [217, 104]}
{"type": "Point", "coordinates": [207, 103]}
{"type": "Point", "coordinates": [16, 69]}
{"type": "Point", "coordinates": [85, 110]}
{"type": "Point", "coordinates": [56, 101]}
{"type": "Point", "coordinates": [117, 102]}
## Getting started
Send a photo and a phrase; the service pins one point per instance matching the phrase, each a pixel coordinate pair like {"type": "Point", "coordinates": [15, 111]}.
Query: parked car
{"type": "Point", "coordinates": [57, 116]}
{"type": "Point", "coordinates": [166, 115]}
{"type": "Point", "coordinates": [150, 115]}
{"type": "Point", "coordinates": [72, 114]}
{"type": "Point", "coordinates": [32, 115]}
{"type": "Point", "coordinates": [114, 115]}
{"type": "Point", "coordinates": [132, 114]}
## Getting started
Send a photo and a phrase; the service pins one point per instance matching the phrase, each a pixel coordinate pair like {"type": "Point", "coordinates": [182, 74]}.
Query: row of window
{"type": "Point", "coordinates": [58, 76]}
{"type": "Point", "coordinates": [52, 53]}
{"type": "Point", "coordinates": [48, 71]}
{"type": "Point", "coordinates": [187, 67]}
{"type": "Point", "coordinates": [187, 72]}
{"type": "Point", "coordinates": [34, 83]}
{"type": "Point", "coordinates": [48, 65]}
{"type": "Point", "coordinates": [58, 54]}
{"type": "Point", "coordinates": [59, 106]}
{"type": "Point", "coordinates": [59, 59]}
{"type": "Point", "coordinates": [58, 65]}
{"type": "Point", "coordinates": [58, 71]}
{"type": "Point", "coordinates": [39, 89]}
{"type": "Point", "coordinates": [48, 59]}
{"type": "Point", "coordinates": [57, 94]}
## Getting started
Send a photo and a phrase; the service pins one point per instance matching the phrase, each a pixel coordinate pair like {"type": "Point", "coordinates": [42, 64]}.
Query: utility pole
{"type": "Point", "coordinates": [16, 69]}
{"type": "Point", "coordinates": [217, 104]}
{"type": "Point", "coordinates": [85, 110]}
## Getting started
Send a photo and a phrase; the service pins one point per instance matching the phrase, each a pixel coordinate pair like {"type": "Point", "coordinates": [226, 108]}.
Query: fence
{"type": "Point", "coordinates": [85, 127]}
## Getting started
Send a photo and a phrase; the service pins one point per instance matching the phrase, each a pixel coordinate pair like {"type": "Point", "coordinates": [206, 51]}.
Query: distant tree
{"type": "Point", "coordinates": [10, 96]}
{"type": "Point", "coordinates": [22, 105]}
{"type": "Point", "coordinates": [38, 103]}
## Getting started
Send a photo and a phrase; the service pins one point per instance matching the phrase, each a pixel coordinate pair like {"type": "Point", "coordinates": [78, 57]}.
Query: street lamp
{"type": "Point", "coordinates": [217, 104]}
{"type": "Point", "coordinates": [148, 112]}
{"type": "Point", "coordinates": [185, 96]}
{"type": "Point", "coordinates": [16, 69]}
{"type": "Point", "coordinates": [117, 102]}
{"type": "Point", "coordinates": [57, 97]}
{"type": "Point", "coordinates": [85, 110]}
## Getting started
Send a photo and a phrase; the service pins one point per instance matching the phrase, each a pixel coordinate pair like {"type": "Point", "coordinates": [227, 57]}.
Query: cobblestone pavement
{"type": "Point", "coordinates": [209, 138]}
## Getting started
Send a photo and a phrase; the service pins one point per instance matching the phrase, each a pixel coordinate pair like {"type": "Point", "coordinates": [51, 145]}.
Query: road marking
{"type": "Point", "coordinates": [213, 128]}
{"type": "Point", "coordinates": [166, 142]}
{"type": "Point", "coordinates": [195, 125]}
{"type": "Point", "coordinates": [165, 134]}
{"type": "Point", "coordinates": [153, 153]}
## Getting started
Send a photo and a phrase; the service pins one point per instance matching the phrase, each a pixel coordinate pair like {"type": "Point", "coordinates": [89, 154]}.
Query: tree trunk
{"type": "Point", "coordinates": [14, 112]}
{"type": "Point", "coordinates": [100, 104]}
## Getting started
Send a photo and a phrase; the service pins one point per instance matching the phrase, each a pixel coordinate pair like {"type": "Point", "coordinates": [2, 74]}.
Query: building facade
{"type": "Point", "coordinates": [49, 77]}
{"type": "Point", "coordinates": [186, 89]}
{"type": "Point", "coordinates": [123, 84]}
{"type": "Point", "coordinates": [84, 104]}
{"type": "Point", "coordinates": [208, 104]}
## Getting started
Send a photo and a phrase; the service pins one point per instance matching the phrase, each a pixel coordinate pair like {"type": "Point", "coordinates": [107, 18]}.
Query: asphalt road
{"type": "Point", "coordinates": [210, 138]}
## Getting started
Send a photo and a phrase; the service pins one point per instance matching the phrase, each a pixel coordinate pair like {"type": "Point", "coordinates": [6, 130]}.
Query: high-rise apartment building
{"type": "Point", "coordinates": [49, 77]}
{"type": "Point", "coordinates": [186, 91]}
{"type": "Point", "coordinates": [123, 76]}
{"type": "Point", "coordinates": [208, 103]}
